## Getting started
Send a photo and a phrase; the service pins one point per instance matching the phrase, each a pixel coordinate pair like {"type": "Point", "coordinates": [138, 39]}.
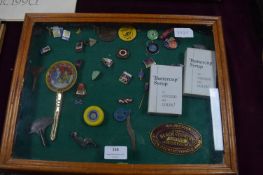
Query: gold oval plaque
{"type": "Point", "coordinates": [176, 138]}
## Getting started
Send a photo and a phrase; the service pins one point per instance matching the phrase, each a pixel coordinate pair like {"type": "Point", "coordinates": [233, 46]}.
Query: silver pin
{"type": "Point", "coordinates": [39, 126]}
{"type": "Point", "coordinates": [83, 142]}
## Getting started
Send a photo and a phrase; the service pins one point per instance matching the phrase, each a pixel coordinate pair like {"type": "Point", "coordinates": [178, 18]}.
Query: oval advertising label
{"type": "Point", "coordinates": [176, 138]}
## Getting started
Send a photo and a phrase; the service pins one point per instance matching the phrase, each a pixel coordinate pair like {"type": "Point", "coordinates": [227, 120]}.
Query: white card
{"type": "Point", "coordinates": [14, 10]}
{"type": "Point", "coordinates": [199, 72]}
{"type": "Point", "coordinates": [115, 152]}
{"type": "Point", "coordinates": [165, 92]}
{"type": "Point", "coordinates": [183, 33]}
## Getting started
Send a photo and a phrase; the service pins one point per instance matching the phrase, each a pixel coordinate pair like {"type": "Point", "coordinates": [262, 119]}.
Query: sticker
{"type": "Point", "coordinates": [66, 35]}
{"type": "Point", "coordinates": [115, 152]}
{"type": "Point", "coordinates": [183, 33]}
{"type": "Point", "coordinates": [57, 31]}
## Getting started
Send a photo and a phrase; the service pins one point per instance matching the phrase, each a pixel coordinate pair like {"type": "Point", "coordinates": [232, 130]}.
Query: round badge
{"type": "Point", "coordinates": [121, 114]}
{"type": "Point", "coordinates": [61, 76]}
{"type": "Point", "coordinates": [170, 43]}
{"type": "Point", "coordinates": [127, 33]}
{"type": "Point", "coordinates": [152, 35]}
{"type": "Point", "coordinates": [123, 53]}
{"type": "Point", "coordinates": [152, 48]}
{"type": "Point", "coordinates": [93, 116]}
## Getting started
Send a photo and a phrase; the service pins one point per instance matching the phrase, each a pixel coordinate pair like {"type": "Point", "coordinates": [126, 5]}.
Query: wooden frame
{"type": "Point", "coordinates": [2, 34]}
{"type": "Point", "coordinates": [229, 165]}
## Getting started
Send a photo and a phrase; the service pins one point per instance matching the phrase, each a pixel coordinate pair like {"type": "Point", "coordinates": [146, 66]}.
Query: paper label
{"type": "Point", "coordinates": [115, 152]}
{"type": "Point", "coordinates": [14, 10]}
{"type": "Point", "coordinates": [183, 33]}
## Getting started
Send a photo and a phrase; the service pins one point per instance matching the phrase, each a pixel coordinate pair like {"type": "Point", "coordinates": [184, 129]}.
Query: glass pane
{"type": "Point", "coordinates": [110, 91]}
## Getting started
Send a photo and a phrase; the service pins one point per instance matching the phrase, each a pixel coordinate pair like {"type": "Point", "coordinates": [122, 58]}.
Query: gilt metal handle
{"type": "Point", "coordinates": [56, 116]}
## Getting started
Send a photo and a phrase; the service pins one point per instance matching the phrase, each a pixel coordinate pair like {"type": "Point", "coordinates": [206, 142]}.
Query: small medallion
{"type": "Point", "coordinates": [122, 53]}
{"type": "Point", "coordinates": [45, 50]}
{"type": "Point", "coordinates": [141, 74]}
{"type": "Point", "coordinates": [149, 62]}
{"type": "Point", "coordinates": [121, 114]}
{"type": "Point", "coordinates": [125, 77]}
{"type": "Point", "coordinates": [170, 43]}
{"type": "Point", "coordinates": [79, 64]}
{"type": "Point", "coordinates": [92, 42]}
{"type": "Point", "coordinates": [127, 33]}
{"type": "Point", "coordinates": [57, 31]}
{"type": "Point", "coordinates": [81, 90]}
{"type": "Point", "coordinates": [125, 100]}
{"type": "Point", "coordinates": [79, 46]}
{"type": "Point", "coordinates": [176, 139]}
{"type": "Point", "coordinates": [152, 34]}
{"type": "Point", "coordinates": [95, 74]}
{"type": "Point", "coordinates": [78, 31]}
{"type": "Point", "coordinates": [66, 35]}
{"type": "Point", "coordinates": [152, 48]}
{"type": "Point", "coordinates": [107, 62]}
{"type": "Point", "coordinates": [166, 33]}
{"type": "Point", "coordinates": [106, 33]}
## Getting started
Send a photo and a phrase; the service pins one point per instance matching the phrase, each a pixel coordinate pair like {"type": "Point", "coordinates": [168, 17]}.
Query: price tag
{"type": "Point", "coordinates": [183, 33]}
{"type": "Point", "coordinates": [115, 152]}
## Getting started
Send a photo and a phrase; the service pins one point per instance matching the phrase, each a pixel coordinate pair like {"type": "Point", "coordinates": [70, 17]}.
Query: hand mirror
{"type": "Point", "coordinates": [60, 77]}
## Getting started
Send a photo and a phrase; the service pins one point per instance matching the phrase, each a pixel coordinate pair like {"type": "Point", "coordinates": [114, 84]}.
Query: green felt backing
{"type": "Point", "coordinates": [105, 92]}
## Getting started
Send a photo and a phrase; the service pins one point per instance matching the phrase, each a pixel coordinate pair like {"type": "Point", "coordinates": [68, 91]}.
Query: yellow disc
{"type": "Point", "coordinates": [127, 33]}
{"type": "Point", "coordinates": [93, 116]}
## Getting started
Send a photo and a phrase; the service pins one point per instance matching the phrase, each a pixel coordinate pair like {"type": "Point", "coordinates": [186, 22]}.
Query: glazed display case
{"type": "Point", "coordinates": [120, 94]}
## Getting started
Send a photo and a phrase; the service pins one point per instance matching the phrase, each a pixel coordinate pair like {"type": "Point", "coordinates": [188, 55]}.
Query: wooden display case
{"type": "Point", "coordinates": [23, 152]}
